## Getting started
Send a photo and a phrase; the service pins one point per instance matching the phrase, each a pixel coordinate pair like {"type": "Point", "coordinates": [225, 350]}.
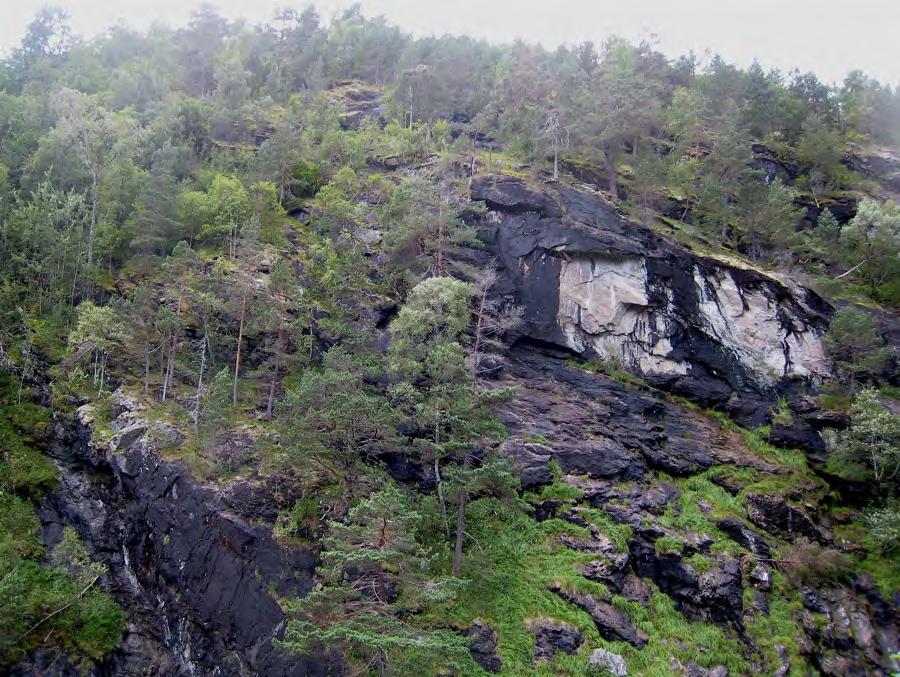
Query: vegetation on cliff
{"type": "Point", "coordinates": [228, 222]}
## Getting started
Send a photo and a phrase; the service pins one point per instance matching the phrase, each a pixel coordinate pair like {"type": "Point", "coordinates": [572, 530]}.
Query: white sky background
{"type": "Point", "coordinates": [828, 37]}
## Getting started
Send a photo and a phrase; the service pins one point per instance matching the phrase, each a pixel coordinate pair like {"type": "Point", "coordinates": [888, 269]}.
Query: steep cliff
{"type": "Point", "coordinates": [716, 330]}
{"type": "Point", "coordinates": [676, 517]}
{"type": "Point", "coordinates": [195, 565]}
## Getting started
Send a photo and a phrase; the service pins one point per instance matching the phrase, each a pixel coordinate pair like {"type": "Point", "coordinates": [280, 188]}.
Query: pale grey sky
{"type": "Point", "coordinates": [829, 37]}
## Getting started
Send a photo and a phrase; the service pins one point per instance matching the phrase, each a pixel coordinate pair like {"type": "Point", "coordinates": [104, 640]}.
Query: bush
{"type": "Point", "coordinates": [806, 562]}
{"type": "Point", "coordinates": [884, 527]}
{"type": "Point", "coordinates": [870, 448]}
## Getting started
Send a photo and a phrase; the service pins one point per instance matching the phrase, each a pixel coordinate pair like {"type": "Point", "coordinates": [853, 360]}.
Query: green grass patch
{"type": "Point", "coordinates": [513, 559]}
{"type": "Point", "coordinates": [611, 368]}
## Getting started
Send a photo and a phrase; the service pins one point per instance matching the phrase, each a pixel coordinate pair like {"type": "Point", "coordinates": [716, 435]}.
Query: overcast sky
{"type": "Point", "coordinates": [828, 37]}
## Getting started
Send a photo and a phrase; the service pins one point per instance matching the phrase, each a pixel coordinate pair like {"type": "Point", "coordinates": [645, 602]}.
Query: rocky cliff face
{"type": "Point", "coordinates": [717, 331]}
{"type": "Point", "coordinates": [198, 576]}
{"type": "Point", "coordinates": [198, 571]}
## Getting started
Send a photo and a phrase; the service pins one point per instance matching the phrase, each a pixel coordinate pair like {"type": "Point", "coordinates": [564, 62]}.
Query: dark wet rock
{"type": "Point", "coordinates": [483, 646]}
{"type": "Point", "coordinates": [714, 595]}
{"type": "Point", "coordinates": [635, 589]}
{"type": "Point", "coordinates": [828, 419]}
{"type": "Point", "coordinates": [545, 510]}
{"type": "Point", "coordinates": [761, 602]}
{"type": "Point", "coordinates": [599, 427]}
{"type": "Point", "coordinates": [694, 543]}
{"type": "Point", "coordinates": [775, 514]}
{"type": "Point", "coordinates": [262, 499]}
{"type": "Point", "coordinates": [532, 462]}
{"type": "Point", "coordinates": [44, 662]}
{"type": "Point", "coordinates": [694, 670]}
{"type": "Point", "coordinates": [552, 637]}
{"type": "Point", "coordinates": [612, 623]}
{"type": "Point", "coordinates": [799, 435]}
{"type": "Point", "coordinates": [610, 570]}
{"type": "Point", "coordinates": [575, 516]}
{"type": "Point", "coordinates": [657, 497]}
{"type": "Point", "coordinates": [743, 535]}
{"type": "Point", "coordinates": [811, 600]}
{"type": "Point", "coordinates": [608, 663]}
{"type": "Point", "coordinates": [197, 578]}
{"type": "Point", "coordinates": [728, 482]}
{"type": "Point", "coordinates": [512, 194]}
{"type": "Point", "coordinates": [597, 543]}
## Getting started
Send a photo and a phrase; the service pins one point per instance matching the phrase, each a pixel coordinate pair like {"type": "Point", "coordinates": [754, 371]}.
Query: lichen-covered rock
{"type": "Point", "coordinates": [607, 662]}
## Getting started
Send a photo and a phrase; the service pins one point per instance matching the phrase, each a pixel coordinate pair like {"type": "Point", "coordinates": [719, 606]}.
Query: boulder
{"type": "Point", "coordinates": [743, 535]}
{"type": "Point", "coordinates": [773, 513]}
{"type": "Point", "coordinates": [612, 623]}
{"type": "Point", "coordinates": [552, 637]}
{"type": "Point", "coordinates": [483, 646]}
{"type": "Point", "coordinates": [607, 662]}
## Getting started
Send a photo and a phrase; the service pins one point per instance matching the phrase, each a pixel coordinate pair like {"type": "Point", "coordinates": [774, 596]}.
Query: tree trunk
{"type": "Point", "coordinates": [440, 492]}
{"type": "Point", "coordinates": [460, 533]}
{"type": "Point", "coordinates": [93, 223]}
{"type": "Point", "coordinates": [270, 404]}
{"type": "Point", "coordinates": [203, 343]}
{"type": "Point", "coordinates": [147, 372]}
{"type": "Point", "coordinates": [555, 166]}
{"type": "Point", "coordinates": [610, 167]}
{"type": "Point", "coordinates": [170, 368]}
{"type": "Point", "coordinates": [237, 359]}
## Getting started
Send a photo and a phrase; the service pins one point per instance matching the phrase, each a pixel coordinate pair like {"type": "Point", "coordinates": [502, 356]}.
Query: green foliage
{"type": "Point", "coordinates": [782, 415]}
{"type": "Point", "coordinates": [855, 344]}
{"type": "Point", "coordinates": [375, 580]}
{"type": "Point", "coordinates": [884, 526]}
{"type": "Point", "coordinates": [334, 421]}
{"type": "Point", "coordinates": [30, 592]}
{"type": "Point", "coordinates": [870, 448]}
{"type": "Point", "coordinates": [872, 240]}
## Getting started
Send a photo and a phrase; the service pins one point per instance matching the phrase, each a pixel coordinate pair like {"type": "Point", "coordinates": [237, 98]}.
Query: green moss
{"type": "Point", "coordinates": [758, 442]}
{"type": "Point", "coordinates": [700, 562]}
{"type": "Point", "coordinates": [782, 414]}
{"type": "Point", "coordinates": [610, 368]}
{"type": "Point", "coordinates": [90, 623]}
{"type": "Point", "coordinates": [668, 544]}
{"type": "Point", "coordinates": [22, 468]}
{"type": "Point", "coordinates": [560, 491]}
{"type": "Point", "coordinates": [780, 627]}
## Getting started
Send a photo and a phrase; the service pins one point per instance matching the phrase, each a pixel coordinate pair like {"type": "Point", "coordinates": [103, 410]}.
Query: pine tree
{"type": "Point", "coordinates": [374, 576]}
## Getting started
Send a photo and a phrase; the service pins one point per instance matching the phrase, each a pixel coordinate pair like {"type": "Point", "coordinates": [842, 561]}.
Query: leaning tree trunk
{"type": "Point", "coordinates": [237, 359]}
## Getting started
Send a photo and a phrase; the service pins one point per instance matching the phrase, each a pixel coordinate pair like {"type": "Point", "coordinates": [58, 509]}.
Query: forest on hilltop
{"type": "Point", "coordinates": [220, 222]}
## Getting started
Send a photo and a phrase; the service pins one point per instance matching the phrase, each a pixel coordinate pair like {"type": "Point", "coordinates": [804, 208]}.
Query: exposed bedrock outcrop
{"type": "Point", "coordinates": [589, 280]}
{"type": "Point", "coordinates": [196, 573]}
{"type": "Point", "coordinates": [598, 426]}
